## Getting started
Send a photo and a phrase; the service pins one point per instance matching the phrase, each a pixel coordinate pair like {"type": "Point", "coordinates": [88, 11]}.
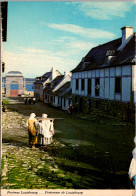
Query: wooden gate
{"type": "Point", "coordinates": [14, 93]}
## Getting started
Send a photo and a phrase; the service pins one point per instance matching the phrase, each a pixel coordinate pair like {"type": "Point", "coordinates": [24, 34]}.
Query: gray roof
{"type": "Point", "coordinates": [30, 79]}
{"type": "Point", "coordinates": [43, 78]}
{"type": "Point", "coordinates": [68, 94]}
{"type": "Point", "coordinates": [14, 73]}
{"type": "Point", "coordinates": [50, 86]}
{"type": "Point", "coordinates": [96, 56]}
{"type": "Point", "coordinates": [62, 89]}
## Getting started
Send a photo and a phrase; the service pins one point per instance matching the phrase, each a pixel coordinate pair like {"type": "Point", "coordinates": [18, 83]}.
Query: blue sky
{"type": "Point", "coordinates": [42, 35]}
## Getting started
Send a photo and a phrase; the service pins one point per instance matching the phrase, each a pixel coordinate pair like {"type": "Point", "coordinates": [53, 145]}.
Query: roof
{"type": "Point", "coordinates": [43, 78]}
{"type": "Point", "coordinates": [47, 74]}
{"type": "Point", "coordinates": [14, 73]}
{"type": "Point", "coordinates": [96, 56]}
{"type": "Point", "coordinates": [62, 89]}
{"type": "Point", "coordinates": [127, 55]}
{"type": "Point", "coordinates": [50, 86]}
{"type": "Point", "coordinates": [30, 79]}
{"type": "Point", "coordinates": [68, 94]}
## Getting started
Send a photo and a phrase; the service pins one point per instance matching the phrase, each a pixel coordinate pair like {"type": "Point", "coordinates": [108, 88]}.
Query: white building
{"type": "Point", "coordinates": [104, 81]}
{"type": "Point", "coordinates": [63, 96]}
{"type": "Point", "coordinates": [41, 82]}
{"type": "Point", "coordinates": [55, 85]}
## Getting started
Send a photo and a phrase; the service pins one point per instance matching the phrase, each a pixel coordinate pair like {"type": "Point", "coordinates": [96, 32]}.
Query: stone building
{"type": "Point", "coordinates": [104, 83]}
{"type": "Point", "coordinates": [14, 83]}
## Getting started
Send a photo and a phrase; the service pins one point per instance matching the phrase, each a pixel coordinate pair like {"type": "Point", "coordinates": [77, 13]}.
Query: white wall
{"type": "Point", "coordinates": [126, 88]}
{"type": "Point", "coordinates": [66, 104]}
{"type": "Point", "coordinates": [112, 88]}
{"type": "Point", "coordinates": [56, 100]}
{"type": "Point", "coordinates": [107, 88]}
{"type": "Point", "coordinates": [107, 82]}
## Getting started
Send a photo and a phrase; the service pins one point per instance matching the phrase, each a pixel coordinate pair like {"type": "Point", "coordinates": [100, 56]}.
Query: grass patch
{"type": "Point", "coordinates": [2, 163]}
{"type": "Point", "coordinates": [5, 102]}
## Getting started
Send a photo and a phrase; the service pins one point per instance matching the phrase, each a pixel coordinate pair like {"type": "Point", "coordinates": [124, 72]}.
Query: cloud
{"type": "Point", "coordinates": [83, 32]}
{"type": "Point", "coordinates": [72, 44]}
{"type": "Point", "coordinates": [80, 45]}
{"type": "Point", "coordinates": [64, 54]}
{"type": "Point", "coordinates": [34, 62]}
{"type": "Point", "coordinates": [104, 10]}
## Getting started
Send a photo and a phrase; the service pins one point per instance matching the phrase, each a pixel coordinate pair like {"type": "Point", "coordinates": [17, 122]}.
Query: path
{"type": "Point", "coordinates": [84, 154]}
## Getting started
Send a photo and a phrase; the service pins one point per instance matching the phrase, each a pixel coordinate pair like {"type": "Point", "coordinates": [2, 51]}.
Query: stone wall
{"type": "Point", "coordinates": [9, 81]}
{"type": "Point", "coordinates": [103, 107]}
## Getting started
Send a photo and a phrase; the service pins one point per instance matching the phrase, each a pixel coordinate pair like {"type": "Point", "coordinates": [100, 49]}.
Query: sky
{"type": "Point", "coordinates": [42, 35]}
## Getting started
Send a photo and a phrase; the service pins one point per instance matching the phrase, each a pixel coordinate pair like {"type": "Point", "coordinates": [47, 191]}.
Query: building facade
{"type": "Point", "coordinates": [63, 96]}
{"type": "Point", "coordinates": [41, 82]}
{"type": "Point", "coordinates": [15, 84]}
{"type": "Point", "coordinates": [57, 85]}
{"type": "Point", "coordinates": [104, 81]}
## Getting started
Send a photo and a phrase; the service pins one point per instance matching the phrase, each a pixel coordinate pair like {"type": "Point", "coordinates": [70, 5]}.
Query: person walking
{"type": "Point", "coordinates": [34, 100]}
{"type": "Point", "coordinates": [70, 109]}
{"type": "Point", "coordinates": [45, 131]}
{"type": "Point", "coordinates": [29, 101]}
{"type": "Point", "coordinates": [31, 125]}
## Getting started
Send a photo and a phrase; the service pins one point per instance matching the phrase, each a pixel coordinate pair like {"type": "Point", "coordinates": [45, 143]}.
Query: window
{"type": "Point", "coordinates": [82, 84]}
{"type": "Point", "coordinates": [76, 84]}
{"type": "Point", "coordinates": [97, 86]}
{"type": "Point", "coordinates": [45, 96]}
{"type": "Point", "coordinates": [58, 101]}
{"type": "Point", "coordinates": [89, 86]}
{"type": "Point", "coordinates": [118, 85]}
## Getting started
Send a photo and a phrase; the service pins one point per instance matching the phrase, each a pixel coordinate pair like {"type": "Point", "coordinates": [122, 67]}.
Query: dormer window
{"type": "Point", "coordinates": [109, 55]}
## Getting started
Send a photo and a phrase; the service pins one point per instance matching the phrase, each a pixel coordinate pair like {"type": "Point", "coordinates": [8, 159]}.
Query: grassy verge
{"type": "Point", "coordinates": [29, 173]}
{"type": "Point", "coordinates": [2, 163]}
{"type": "Point", "coordinates": [5, 102]}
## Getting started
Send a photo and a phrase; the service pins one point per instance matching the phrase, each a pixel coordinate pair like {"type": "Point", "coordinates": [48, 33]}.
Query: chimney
{"type": "Point", "coordinates": [126, 33]}
{"type": "Point", "coordinates": [53, 70]}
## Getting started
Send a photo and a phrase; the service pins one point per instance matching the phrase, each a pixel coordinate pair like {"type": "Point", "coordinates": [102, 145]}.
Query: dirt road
{"type": "Point", "coordinates": [85, 154]}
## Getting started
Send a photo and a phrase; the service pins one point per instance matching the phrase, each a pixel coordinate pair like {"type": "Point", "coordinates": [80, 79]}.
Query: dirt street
{"type": "Point", "coordinates": [85, 154]}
